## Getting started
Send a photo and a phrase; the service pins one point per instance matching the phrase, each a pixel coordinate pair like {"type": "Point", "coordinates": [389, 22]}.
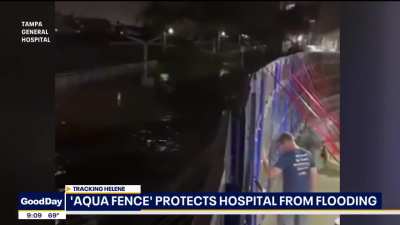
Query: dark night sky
{"type": "Point", "coordinates": [261, 20]}
{"type": "Point", "coordinates": [125, 12]}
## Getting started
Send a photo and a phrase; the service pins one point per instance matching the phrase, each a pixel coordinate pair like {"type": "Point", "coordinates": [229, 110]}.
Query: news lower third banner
{"type": "Point", "coordinates": [128, 200]}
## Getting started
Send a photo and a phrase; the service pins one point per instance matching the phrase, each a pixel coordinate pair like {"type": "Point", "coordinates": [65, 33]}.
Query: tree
{"type": "Point", "coordinates": [262, 21]}
{"type": "Point", "coordinates": [212, 16]}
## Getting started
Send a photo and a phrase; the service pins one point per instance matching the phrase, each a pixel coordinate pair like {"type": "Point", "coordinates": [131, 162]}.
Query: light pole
{"type": "Point", "coordinates": [214, 46]}
{"type": "Point", "coordinates": [311, 31]}
{"type": "Point", "coordinates": [242, 48]}
{"type": "Point", "coordinates": [221, 34]}
{"type": "Point", "coordinates": [242, 37]}
{"type": "Point", "coordinates": [145, 76]}
{"type": "Point", "coordinates": [169, 31]}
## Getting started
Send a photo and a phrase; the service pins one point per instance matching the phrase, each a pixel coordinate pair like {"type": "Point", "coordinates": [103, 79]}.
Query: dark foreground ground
{"type": "Point", "coordinates": [170, 137]}
{"type": "Point", "coordinates": [119, 132]}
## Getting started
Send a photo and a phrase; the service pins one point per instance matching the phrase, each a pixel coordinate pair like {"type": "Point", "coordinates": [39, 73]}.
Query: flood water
{"type": "Point", "coordinates": [119, 132]}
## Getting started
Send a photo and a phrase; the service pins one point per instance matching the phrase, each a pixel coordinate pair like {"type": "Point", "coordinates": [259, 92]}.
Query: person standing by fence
{"type": "Point", "coordinates": [299, 172]}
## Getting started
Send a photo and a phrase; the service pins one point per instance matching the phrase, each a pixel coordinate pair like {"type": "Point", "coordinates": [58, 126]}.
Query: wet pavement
{"type": "Point", "coordinates": [119, 132]}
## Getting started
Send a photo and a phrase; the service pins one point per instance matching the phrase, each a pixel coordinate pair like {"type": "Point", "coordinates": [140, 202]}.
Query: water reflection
{"type": "Point", "coordinates": [157, 137]}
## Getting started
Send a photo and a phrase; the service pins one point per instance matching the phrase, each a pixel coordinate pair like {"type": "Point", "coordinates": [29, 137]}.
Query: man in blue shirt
{"type": "Point", "coordinates": [299, 173]}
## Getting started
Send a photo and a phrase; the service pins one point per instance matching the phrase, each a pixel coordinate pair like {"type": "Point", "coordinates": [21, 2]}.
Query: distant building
{"type": "Point", "coordinates": [298, 18]}
{"type": "Point", "coordinates": [65, 24]}
{"type": "Point", "coordinates": [318, 29]}
{"type": "Point", "coordinates": [326, 32]}
{"type": "Point", "coordinates": [94, 25]}
{"type": "Point", "coordinates": [129, 30]}
{"type": "Point", "coordinates": [71, 24]}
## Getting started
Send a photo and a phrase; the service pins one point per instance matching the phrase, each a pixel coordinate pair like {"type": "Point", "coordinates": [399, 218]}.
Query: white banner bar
{"type": "Point", "coordinates": [42, 215]}
{"type": "Point", "coordinates": [102, 189]}
{"type": "Point", "coordinates": [239, 212]}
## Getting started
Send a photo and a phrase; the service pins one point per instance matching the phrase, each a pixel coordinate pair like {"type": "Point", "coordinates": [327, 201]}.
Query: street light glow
{"type": "Point", "coordinates": [290, 6]}
{"type": "Point", "coordinates": [170, 31]}
{"type": "Point", "coordinates": [223, 34]}
{"type": "Point", "coordinates": [300, 38]}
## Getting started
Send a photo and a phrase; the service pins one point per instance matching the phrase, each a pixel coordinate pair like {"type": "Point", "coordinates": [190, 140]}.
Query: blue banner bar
{"type": "Point", "coordinates": [197, 201]}
{"type": "Point", "coordinates": [226, 201]}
